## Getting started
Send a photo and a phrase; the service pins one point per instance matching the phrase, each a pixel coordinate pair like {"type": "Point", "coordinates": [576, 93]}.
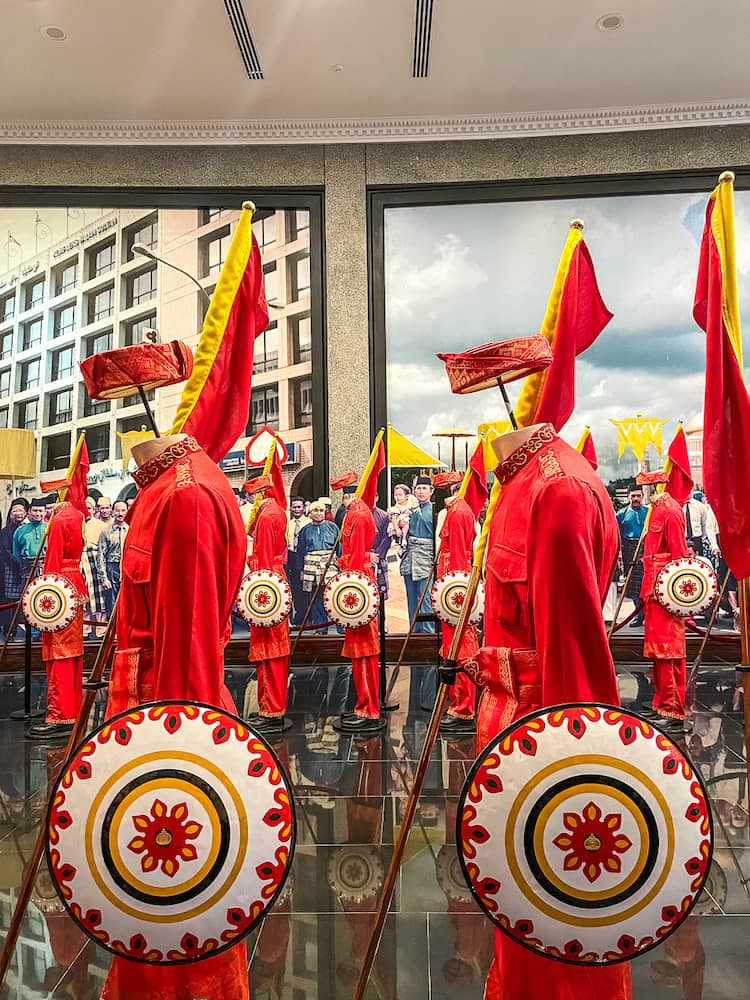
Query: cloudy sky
{"type": "Point", "coordinates": [458, 276]}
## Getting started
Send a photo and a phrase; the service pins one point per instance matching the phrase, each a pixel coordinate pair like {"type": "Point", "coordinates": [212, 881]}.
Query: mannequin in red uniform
{"type": "Point", "coordinates": [361, 644]}
{"type": "Point", "coordinates": [553, 544]}
{"type": "Point", "coordinates": [664, 633]}
{"type": "Point", "coordinates": [269, 647]}
{"type": "Point", "coordinates": [62, 652]}
{"type": "Point", "coordinates": [182, 564]}
{"type": "Point", "coordinates": [456, 553]}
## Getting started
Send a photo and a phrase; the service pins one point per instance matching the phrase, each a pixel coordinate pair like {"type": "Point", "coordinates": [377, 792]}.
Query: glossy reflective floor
{"type": "Point", "coordinates": [349, 797]}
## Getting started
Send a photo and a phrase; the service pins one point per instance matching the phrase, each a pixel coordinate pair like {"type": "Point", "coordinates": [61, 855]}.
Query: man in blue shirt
{"type": "Point", "coordinates": [314, 544]}
{"type": "Point", "coordinates": [416, 563]}
{"type": "Point", "coordinates": [28, 538]}
{"type": "Point", "coordinates": [631, 520]}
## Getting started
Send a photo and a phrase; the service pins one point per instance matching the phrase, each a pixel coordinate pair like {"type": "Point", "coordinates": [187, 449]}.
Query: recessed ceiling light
{"type": "Point", "coordinates": [610, 22]}
{"type": "Point", "coordinates": [54, 33]}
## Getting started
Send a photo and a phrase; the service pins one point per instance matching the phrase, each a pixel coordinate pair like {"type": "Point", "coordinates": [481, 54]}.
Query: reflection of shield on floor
{"type": "Point", "coordinates": [171, 832]}
{"type": "Point", "coordinates": [584, 833]}
{"type": "Point", "coordinates": [713, 898]}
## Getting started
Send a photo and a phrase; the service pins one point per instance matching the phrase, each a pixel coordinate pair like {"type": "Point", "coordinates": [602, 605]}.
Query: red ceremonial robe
{"type": "Point", "coordinates": [182, 564]}
{"type": "Point", "coordinates": [270, 647]}
{"type": "Point", "coordinates": [362, 644]}
{"type": "Point", "coordinates": [552, 550]}
{"type": "Point", "coordinates": [664, 634]}
{"type": "Point", "coordinates": [62, 652]}
{"type": "Point", "coordinates": [456, 555]}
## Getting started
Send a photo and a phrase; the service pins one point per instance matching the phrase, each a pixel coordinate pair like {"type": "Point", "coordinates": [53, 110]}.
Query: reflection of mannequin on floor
{"type": "Point", "coordinates": [472, 932]}
{"type": "Point", "coordinates": [685, 962]}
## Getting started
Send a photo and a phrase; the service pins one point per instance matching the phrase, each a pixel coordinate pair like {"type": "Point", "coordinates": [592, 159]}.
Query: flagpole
{"type": "Point", "coordinates": [744, 602]}
{"type": "Point", "coordinates": [714, 611]}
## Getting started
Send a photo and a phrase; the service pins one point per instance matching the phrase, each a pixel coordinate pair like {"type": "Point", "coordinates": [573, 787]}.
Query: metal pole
{"type": "Point", "coordinates": [149, 414]}
{"type": "Point", "coordinates": [744, 601]}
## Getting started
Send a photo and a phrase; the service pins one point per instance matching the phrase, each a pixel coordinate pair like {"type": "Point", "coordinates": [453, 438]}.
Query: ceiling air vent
{"type": "Point", "coordinates": [245, 43]}
{"type": "Point", "coordinates": [422, 38]}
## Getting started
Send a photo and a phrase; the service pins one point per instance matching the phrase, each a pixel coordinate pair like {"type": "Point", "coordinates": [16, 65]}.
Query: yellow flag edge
{"type": "Point", "coordinates": [370, 464]}
{"type": "Point", "coordinates": [722, 228]}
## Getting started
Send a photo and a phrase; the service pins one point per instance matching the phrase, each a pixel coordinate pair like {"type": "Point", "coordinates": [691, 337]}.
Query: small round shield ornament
{"type": "Point", "coordinates": [170, 832]}
{"type": "Point", "coordinates": [355, 872]}
{"type": "Point", "coordinates": [351, 599]}
{"type": "Point", "coordinates": [584, 833]}
{"type": "Point", "coordinates": [264, 598]}
{"type": "Point", "coordinates": [448, 595]}
{"type": "Point", "coordinates": [686, 586]}
{"type": "Point", "coordinates": [50, 603]}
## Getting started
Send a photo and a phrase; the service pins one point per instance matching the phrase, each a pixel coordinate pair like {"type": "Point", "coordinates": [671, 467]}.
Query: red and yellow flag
{"type": "Point", "coordinates": [726, 406]}
{"type": "Point", "coordinates": [74, 486]}
{"type": "Point", "coordinates": [677, 466]}
{"type": "Point", "coordinates": [575, 316]}
{"type": "Point", "coordinates": [367, 487]}
{"type": "Point", "coordinates": [216, 397]}
{"type": "Point", "coordinates": [586, 447]}
{"type": "Point", "coordinates": [473, 486]}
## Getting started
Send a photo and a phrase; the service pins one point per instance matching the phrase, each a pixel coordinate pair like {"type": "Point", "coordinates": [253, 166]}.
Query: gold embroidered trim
{"type": "Point", "coordinates": [155, 466]}
{"type": "Point", "coordinates": [183, 474]}
{"type": "Point", "coordinates": [550, 466]}
{"type": "Point", "coordinates": [524, 453]}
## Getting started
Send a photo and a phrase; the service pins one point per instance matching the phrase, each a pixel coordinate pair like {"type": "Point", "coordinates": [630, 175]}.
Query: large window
{"type": "Point", "coordinates": [300, 276]}
{"type": "Point", "coordinates": [141, 287]}
{"type": "Point", "coordinates": [26, 414]}
{"type": "Point", "coordinates": [97, 442]}
{"type": "Point", "coordinates": [135, 329]}
{"type": "Point", "coordinates": [266, 355]}
{"type": "Point", "coordinates": [145, 234]}
{"type": "Point", "coordinates": [66, 277]}
{"type": "Point", "coordinates": [56, 452]}
{"type": "Point", "coordinates": [63, 320]}
{"type": "Point", "coordinates": [101, 304]}
{"type": "Point", "coordinates": [28, 374]}
{"type": "Point", "coordinates": [31, 333]}
{"type": "Point", "coordinates": [96, 343]}
{"type": "Point", "coordinates": [60, 407]}
{"type": "Point", "coordinates": [302, 396]}
{"type": "Point", "coordinates": [101, 259]}
{"type": "Point", "coordinates": [214, 250]}
{"type": "Point", "coordinates": [61, 364]}
{"type": "Point", "coordinates": [6, 345]}
{"type": "Point", "coordinates": [301, 339]}
{"type": "Point", "coordinates": [264, 409]}
{"type": "Point", "coordinates": [7, 307]}
{"type": "Point", "coordinates": [91, 407]}
{"type": "Point", "coordinates": [5, 382]}
{"type": "Point", "coordinates": [34, 293]}
{"type": "Point", "coordinates": [3, 416]}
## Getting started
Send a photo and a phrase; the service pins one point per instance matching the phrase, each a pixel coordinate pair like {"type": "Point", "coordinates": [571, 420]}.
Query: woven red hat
{"type": "Point", "coordinates": [257, 484]}
{"type": "Point", "coordinates": [112, 374]}
{"type": "Point", "coordinates": [652, 478]}
{"type": "Point", "coordinates": [51, 485]}
{"type": "Point", "coordinates": [481, 367]}
{"type": "Point", "coordinates": [348, 479]}
{"type": "Point", "coordinates": [444, 480]}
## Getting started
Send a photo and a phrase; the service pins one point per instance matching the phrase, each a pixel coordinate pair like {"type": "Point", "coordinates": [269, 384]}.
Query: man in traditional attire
{"type": "Point", "coordinates": [664, 633]}
{"type": "Point", "coordinates": [362, 643]}
{"type": "Point", "coordinates": [183, 560]}
{"type": "Point", "coordinates": [111, 542]}
{"type": "Point", "coordinates": [11, 579]}
{"type": "Point", "coordinates": [29, 537]}
{"type": "Point", "coordinates": [455, 554]}
{"type": "Point", "coordinates": [62, 651]}
{"type": "Point", "coordinates": [297, 521]}
{"type": "Point", "coordinates": [416, 563]}
{"type": "Point", "coordinates": [630, 520]}
{"type": "Point", "coordinates": [553, 544]}
{"type": "Point", "coordinates": [91, 567]}
{"type": "Point", "coordinates": [269, 645]}
{"type": "Point", "coordinates": [314, 545]}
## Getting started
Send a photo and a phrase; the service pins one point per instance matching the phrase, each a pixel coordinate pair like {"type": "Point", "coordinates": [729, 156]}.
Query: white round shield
{"type": "Point", "coordinates": [351, 599]}
{"type": "Point", "coordinates": [447, 598]}
{"type": "Point", "coordinates": [50, 603]}
{"type": "Point", "coordinates": [264, 598]}
{"type": "Point", "coordinates": [686, 586]}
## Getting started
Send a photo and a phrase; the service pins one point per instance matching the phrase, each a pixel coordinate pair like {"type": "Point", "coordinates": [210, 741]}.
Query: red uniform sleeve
{"type": "Point", "coordinates": [196, 568]}
{"type": "Point", "coordinates": [269, 539]}
{"type": "Point", "coordinates": [567, 580]}
{"type": "Point", "coordinates": [460, 538]}
{"type": "Point", "coordinates": [674, 533]}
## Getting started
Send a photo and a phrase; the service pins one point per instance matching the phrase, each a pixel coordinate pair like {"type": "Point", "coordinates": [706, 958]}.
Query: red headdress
{"type": "Point", "coordinates": [508, 360]}
{"type": "Point", "coordinates": [112, 374]}
{"type": "Point", "coordinates": [444, 480]}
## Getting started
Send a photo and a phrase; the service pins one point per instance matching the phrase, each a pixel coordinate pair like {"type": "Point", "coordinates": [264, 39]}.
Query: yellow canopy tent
{"type": "Point", "coordinates": [402, 454]}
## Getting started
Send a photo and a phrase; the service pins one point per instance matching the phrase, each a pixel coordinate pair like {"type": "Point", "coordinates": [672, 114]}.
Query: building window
{"type": "Point", "coordinates": [97, 442]}
{"type": "Point", "coordinates": [300, 268]}
{"type": "Point", "coordinates": [91, 407]}
{"type": "Point", "coordinates": [271, 282]}
{"type": "Point", "coordinates": [7, 307]}
{"type": "Point", "coordinates": [299, 224]}
{"type": "Point", "coordinates": [301, 339]}
{"type": "Point", "coordinates": [303, 402]}
{"type": "Point", "coordinates": [141, 287]}
{"type": "Point", "coordinates": [266, 230]}
{"type": "Point", "coordinates": [5, 382]}
{"type": "Point", "coordinates": [136, 400]}
{"type": "Point", "coordinates": [214, 250]}
{"type": "Point", "coordinates": [146, 234]}
{"type": "Point", "coordinates": [64, 321]}
{"type": "Point", "coordinates": [28, 374]}
{"type": "Point", "coordinates": [26, 414]}
{"type": "Point", "coordinates": [101, 304]}
{"type": "Point", "coordinates": [62, 363]}
{"type": "Point", "coordinates": [66, 277]}
{"type": "Point", "coordinates": [56, 452]}
{"type": "Point", "coordinates": [6, 345]}
{"type": "Point", "coordinates": [101, 260]}
{"type": "Point", "coordinates": [4, 417]}
{"type": "Point", "coordinates": [60, 407]}
{"type": "Point", "coordinates": [96, 343]}
{"type": "Point", "coordinates": [264, 409]}
{"type": "Point", "coordinates": [31, 333]}
{"type": "Point", "coordinates": [34, 294]}
{"type": "Point", "coordinates": [209, 214]}
{"type": "Point", "coordinates": [135, 330]}
{"type": "Point", "coordinates": [266, 355]}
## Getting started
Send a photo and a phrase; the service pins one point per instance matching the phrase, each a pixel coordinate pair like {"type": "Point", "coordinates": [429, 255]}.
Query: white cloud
{"type": "Point", "coordinates": [451, 271]}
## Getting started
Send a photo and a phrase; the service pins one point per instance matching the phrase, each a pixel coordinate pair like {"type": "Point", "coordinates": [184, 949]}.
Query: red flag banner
{"type": "Point", "coordinates": [368, 484]}
{"type": "Point", "coordinates": [474, 485]}
{"type": "Point", "coordinates": [726, 406]}
{"type": "Point", "coordinates": [575, 316]}
{"type": "Point", "coordinates": [74, 486]}
{"type": "Point", "coordinates": [586, 447]}
{"type": "Point", "coordinates": [216, 398]}
{"type": "Point", "coordinates": [680, 482]}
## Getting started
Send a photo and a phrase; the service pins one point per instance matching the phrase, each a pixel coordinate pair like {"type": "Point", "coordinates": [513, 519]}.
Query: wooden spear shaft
{"type": "Point", "coordinates": [744, 600]}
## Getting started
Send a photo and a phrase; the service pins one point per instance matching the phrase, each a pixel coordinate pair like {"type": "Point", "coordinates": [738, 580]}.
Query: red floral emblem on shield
{"type": "Point", "coordinates": [457, 599]}
{"type": "Point", "coordinates": [163, 838]}
{"type": "Point", "coordinates": [46, 604]}
{"type": "Point", "coordinates": [262, 598]}
{"type": "Point", "coordinates": [687, 588]}
{"type": "Point", "coordinates": [592, 841]}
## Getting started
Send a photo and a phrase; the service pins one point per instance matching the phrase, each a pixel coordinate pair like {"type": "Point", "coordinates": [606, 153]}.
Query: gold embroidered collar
{"type": "Point", "coordinates": [155, 466]}
{"type": "Point", "coordinates": [524, 453]}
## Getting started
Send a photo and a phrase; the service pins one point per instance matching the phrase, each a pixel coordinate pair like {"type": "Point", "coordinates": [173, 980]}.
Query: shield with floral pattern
{"type": "Point", "coordinates": [447, 597]}
{"type": "Point", "coordinates": [686, 586]}
{"type": "Point", "coordinates": [264, 598]}
{"type": "Point", "coordinates": [584, 833]}
{"type": "Point", "coordinates": [351, 599]}
{"type": "Point", "coordinates": [170, 832]}
{"type": "Point", "coordinates": [50, 603]}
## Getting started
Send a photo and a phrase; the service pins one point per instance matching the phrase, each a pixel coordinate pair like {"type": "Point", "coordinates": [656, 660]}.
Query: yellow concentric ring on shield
{"type": "Point", "coordinates": [680, 599]}
{"type": "Point", "coordinates": [359, 591]}
{"type": "Point", "coordinates": [196, 911]}
{"type": "Point", "coordinates": [127, 873]}
{"type": "Point", "coordinates": [596, 761]}
{"type": "Point", "coordinates": [54, 614]}
{"type": "Point", "coordinates": [251, 605]}
{"type": "Point", "coordinates": [593, 789]}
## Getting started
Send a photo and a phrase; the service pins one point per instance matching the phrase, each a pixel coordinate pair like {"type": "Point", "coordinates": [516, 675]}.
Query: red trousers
{"type": "Point", "coordinates": [670, 680]}
{"type": "Point", "coordinates": [272, 685]}
{"type": "Point", "coordinates": [462, 699]}
{"type": "Point", "coordinates": [366, 672]}
{"type": "Point", "coordinates": [64, 679]}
